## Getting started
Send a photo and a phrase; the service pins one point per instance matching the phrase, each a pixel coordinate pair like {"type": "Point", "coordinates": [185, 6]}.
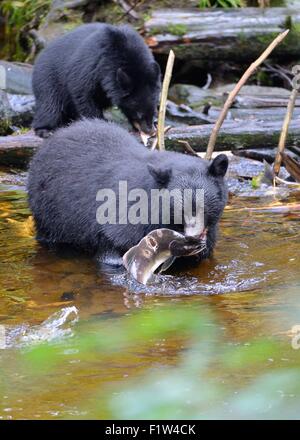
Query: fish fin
{"type": "Point", "coordinates": [128, 257]}
{"type": "Point", "coordinates": [168, 263]}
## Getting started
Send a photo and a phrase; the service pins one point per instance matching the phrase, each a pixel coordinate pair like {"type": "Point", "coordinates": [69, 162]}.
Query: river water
{"type": "Point", "coordinates": [251, 287]}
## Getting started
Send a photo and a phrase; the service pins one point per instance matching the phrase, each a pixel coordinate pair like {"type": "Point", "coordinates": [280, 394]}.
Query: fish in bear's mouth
{"type": "Point", "coordinates": [145, 135]}
{"type": "Point", "coordinates": [159, 249]}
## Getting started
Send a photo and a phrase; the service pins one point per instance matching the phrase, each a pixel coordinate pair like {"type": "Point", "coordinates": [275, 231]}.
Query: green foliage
{"type": "Point", "coordinates": [205, 382]}
{"type": "Point", "coordinates": [221, 3]}
{"type": "Point", "coordinates": [21, 15]}
{"type": "Point", "coordinates": [256, 182]}
{"type": "Point", "coordinates": [21, 12]}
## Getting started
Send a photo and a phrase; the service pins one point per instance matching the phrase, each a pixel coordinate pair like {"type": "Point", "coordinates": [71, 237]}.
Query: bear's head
{"type": "Point", "coordinates": [139, 96]}
{"type": "Point", "coordinates": [203, 192]}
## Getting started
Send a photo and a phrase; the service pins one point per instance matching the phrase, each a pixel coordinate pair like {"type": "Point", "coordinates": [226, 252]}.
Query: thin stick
{"type": "Point", "coordinates": [295, 184]}
{"type": "Point", "coordinates": [163, 101]}
{"type": "Point", "coordinates": [235, 91]}
{"type": "Point", "coordinates": [284, 131]}
{"type": "Point", "coordinates": [189, 149]}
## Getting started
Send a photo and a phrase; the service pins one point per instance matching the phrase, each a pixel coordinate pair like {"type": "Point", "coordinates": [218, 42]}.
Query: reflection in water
{"type": "Point", "coordinates": [251, 285]}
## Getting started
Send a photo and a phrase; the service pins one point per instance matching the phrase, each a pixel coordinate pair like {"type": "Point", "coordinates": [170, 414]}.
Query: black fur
{"type": "Point", "coordinates": [64, 179]}
{"type": "Point", "coordinates": [87, 70]}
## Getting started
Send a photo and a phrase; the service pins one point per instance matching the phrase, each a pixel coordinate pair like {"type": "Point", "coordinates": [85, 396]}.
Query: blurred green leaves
{"type": "Point", "coordinates": [212, 376]}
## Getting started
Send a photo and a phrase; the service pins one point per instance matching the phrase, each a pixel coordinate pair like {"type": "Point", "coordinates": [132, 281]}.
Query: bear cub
{"type": "Point", "coordinates": [91, 68]}
{"type": "Point", "coordinates": [64, 182]}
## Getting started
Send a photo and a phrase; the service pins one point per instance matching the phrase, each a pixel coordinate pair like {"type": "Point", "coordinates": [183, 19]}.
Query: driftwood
{"type": "Point", "coordinates": [230, 99]}
{"type": "Point", "coordinates": [292, 166]}
{"type": "Point", "coordinates": [16, 150]}
{"type": "Point", "coordinates": [284, 131]}
{"type": "Point", "coordinates": [163, 102]}
{"type": "Point", "coordinates": [217, 35]}
{"type": "Point", "coordinates": [234, 135]}
{"type": "Point", "coordinates": [249, 96]}
{"type": "Point", "coordinates": [264, 154]}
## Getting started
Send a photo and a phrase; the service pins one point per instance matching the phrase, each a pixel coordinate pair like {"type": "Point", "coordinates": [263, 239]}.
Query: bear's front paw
{"type": "Point", "coordinates": [43, 132]}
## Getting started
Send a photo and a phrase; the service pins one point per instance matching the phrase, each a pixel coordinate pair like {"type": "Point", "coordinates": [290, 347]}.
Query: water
{"type": "Point", "coordinates": [251, 287]}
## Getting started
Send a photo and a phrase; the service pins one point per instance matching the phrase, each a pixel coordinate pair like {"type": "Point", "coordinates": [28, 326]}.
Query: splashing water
{"type": "Point", "coordinates": [233, 277]}
{"type": "Point", "coordinates": [57, 326]}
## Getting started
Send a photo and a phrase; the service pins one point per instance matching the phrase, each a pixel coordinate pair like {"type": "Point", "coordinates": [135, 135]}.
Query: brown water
{"type": "Point", "coordinates": [252, 286]}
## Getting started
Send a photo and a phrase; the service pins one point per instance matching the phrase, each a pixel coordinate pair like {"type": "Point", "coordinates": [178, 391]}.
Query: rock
{"type": "Point", "coordinates": [63, 16]}
{"type": "Point", "coordinates": [15, 110]}
{"type": "Point", "coordinates": [15, 78]}
{"type": "Point", "coordinates": [16, 99]}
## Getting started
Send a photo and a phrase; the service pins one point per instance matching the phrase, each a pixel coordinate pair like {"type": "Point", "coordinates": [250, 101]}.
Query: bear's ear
{"type": "Point", "coordinates": [219, 166]}
{"type": "Point", "coordinates": [155, 70]}
{"type": "Point", "coordinates": [161, 175]}
{"type": "Point", "coordinates": [124, 79]}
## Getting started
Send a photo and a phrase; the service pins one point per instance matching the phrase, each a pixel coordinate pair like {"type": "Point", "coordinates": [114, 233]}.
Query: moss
{"type": "Point", "coordinates": [155, 31]}
{"type": "Point", "coordinates": [177, 29]}
{"type": "Point", "coordinates": [21, 130]}
{"type": "Point", "coordinates": [5, 127]}
{"type": "Point", "coordinates": [72, 25]}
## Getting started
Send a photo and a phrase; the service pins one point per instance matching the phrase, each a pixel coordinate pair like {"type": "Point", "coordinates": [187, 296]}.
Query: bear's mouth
{"type": "Point", "coordinates": [149, 132]}
{"type": "Point", "coordinates": [199, 236]}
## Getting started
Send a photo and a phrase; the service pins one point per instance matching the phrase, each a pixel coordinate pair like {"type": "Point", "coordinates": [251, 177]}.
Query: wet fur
{"type": "Point", "coordinates": [77, 161]}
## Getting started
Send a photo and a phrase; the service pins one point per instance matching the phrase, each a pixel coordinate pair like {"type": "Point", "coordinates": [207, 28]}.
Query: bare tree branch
{"type": "Point", "coordinates": [237, 88]}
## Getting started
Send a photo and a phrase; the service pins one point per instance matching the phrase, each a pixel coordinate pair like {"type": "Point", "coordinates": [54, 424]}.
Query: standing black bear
{"type": "Point", "coordinates": [64, 182]}
{"type": "Point", "coordinates": [91, 68]}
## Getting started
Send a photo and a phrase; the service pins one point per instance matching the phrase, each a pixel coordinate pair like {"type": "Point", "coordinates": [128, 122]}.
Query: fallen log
{"type": "Point", "coordinates": [262, 154]}
{"type": "Point", "coordinates": [249, 97]}
{"type": "Point", "coordinates": [216, 35]}
{"type": "Point", "coordinates": [16, 150]}
{"type": "Point", "coordinates": [292, 166]}
{"type": "Point", "coordinates": [234, 135]}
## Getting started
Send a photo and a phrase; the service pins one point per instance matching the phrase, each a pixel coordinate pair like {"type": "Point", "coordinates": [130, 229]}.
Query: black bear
{"type": "Point", "coordinates": [87, 70]}
{"type": "Point", "coordinates": [66, 185]}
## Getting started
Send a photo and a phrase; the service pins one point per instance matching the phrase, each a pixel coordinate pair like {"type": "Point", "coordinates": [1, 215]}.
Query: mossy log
{"type": "Point", "coordinates": [234, 135]}
{"type": "Point", "coordinates": [223, 35]}
{"type": "Point", "coordinates": [16, 150]}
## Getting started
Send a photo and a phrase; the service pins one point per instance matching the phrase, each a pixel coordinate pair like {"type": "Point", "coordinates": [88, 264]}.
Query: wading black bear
{"type": "Point", "coordinates": [87, 70]}
{"type": "Point", "coordinates": [65, 183]}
